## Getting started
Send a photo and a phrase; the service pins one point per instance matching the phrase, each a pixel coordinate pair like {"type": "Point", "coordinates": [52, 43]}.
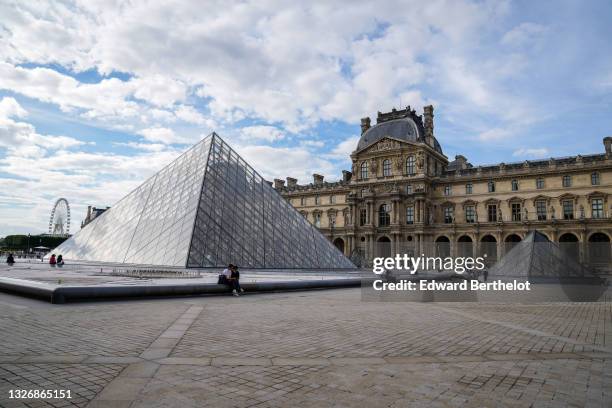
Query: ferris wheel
{"type": "Point", "coordinates": [59, 222]}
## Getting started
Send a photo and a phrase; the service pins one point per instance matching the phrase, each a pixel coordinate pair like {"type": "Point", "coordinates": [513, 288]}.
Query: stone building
{"type": "Point", "coordinates": [404, 196]}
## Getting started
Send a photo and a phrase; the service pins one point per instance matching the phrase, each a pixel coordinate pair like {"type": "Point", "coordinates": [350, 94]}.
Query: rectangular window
{"type": "Point", "coordinates": [516, 211]}
{"type": "Point", "coordinates": [410, 165]}
{"type": "Point", "coordinates": [515, 185]}
{"type": "Point", "coordinates": [447, 190]}
{"type": "Point", "coordinates": [317, 200]}
{"type": "Point", "coordinates": [409, 189]}
{"type": "Point", "coordinates": [491, 186]}
{"type": "Point", "coordinates": [332, 199]}
{"type": "Point", "coordinates": [448, 215]}
{"type": "Point", "coordinates": [317, 220]}
{"type": "Point", "coordinates": [302, 201]}
{"type": "Point", "coordinates": [363, 216]}
{"type": "Point", "coordinates": [595, 179]}
{"type": "Point", "coordinates": [541, 210]}
{"type": "Point", "coordinates": [410, 214]}
{"type": "Point", "coordinates": [539, 183]}
{"type": "Point", "coordinates": [470, 214]}
{"type": "Point", "coordinates": [468, 188]}
{"type": "Point", "coordinates": [567, 181]}
{"type": "Point", "coordinates": [364, 170]}
{"type": "Point", "coordinates": [597, 208]}
{"type": "Point", "coordinates": [568, 210]}
{"type": "Point", "coordinates": [386, 168]}
{"type": "Point", "coordinates": [492, 212]}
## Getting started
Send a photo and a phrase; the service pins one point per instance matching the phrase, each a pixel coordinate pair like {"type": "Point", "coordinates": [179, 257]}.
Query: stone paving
{"type": "Point", "coordinates": [313, 349]}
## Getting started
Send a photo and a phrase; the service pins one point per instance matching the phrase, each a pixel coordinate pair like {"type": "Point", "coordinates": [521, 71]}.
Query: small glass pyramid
{"type": "Point", "coordinates": [207, 208]}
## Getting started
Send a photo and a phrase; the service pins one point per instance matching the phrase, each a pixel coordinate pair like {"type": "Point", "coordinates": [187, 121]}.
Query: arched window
{"type": "Point", "coordinates": [317, 220]}
{"type": "Point", "coordinates": [410, 165]}
{"type": "Point", "coordinates": [515, 185]}
{"type": "Point", "coordinates": [386, 168]}
{"type": "Point", "coordinates": [364, 170]}
{"type": "Point", "coordinates": [383, 216]}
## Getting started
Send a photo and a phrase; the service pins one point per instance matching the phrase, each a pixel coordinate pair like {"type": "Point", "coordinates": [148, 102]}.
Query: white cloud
{"type": "Point", "coordinates": [9, 107]}
{"type": "Point", "coordinates": [296, 162]}
{"type": "Point", "coordinates": [21, 139]}
{"type": "Point", "coordinates": [162, 135]}
{"type": "Point", "coordinates": [344, 149]}
{"type": "Point", "coordinates": [149, 147]}
{"type": "Point", "coordinates": [277, 62]}
{"type": "Point", "coordinates": [523, 34]}
{"type": "Point", "coordinates": [159, 90]}
{"type": "Point", "coordinates": [531, 152]}
{"type": "Point", "coordinates": [268, 133]}
{"type": "Point", "coordinates": [494, 134]}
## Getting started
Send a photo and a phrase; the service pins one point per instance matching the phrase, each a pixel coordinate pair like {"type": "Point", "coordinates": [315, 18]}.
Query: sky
{"type": "Point", "coordinates": [95, 96]}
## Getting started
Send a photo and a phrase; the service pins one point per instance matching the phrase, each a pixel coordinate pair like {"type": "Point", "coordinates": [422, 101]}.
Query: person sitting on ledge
{"type": "Point", "coordinates": [60, 260]}
{"type": "Point", "coordinates": [10, 260]}
{"type": "Point", "coordinates": [236, 278]}
{"type": "Point", "coordinates": [226, 279]}
{"type": "Point", "coordinates": [52, 260]}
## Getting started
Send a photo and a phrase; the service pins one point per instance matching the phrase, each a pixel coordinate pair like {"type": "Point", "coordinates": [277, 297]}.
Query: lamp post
{"type": "Point", "coordinates": [28, 244]}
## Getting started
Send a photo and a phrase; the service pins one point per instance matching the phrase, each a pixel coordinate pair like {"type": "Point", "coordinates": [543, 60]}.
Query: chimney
{"type": "Point", "coordinates": [428, 124]}
{"type": "Point", "coordinates": [88, 211]}
{"type": "Point", "coordinates": [346, 175]}
{"type": "Point", "coordinates": [291, 182]}
{"type": "Point", "coordinates": [608, 145]}
{"type": "Point", "coordinates": [318, 179]}
{"type": "Point", "coordinates": [461, 162]}
{"type": "Point", "coordinates": [365, 124]}
{"type": "Point", "coordinates": [278, 184]}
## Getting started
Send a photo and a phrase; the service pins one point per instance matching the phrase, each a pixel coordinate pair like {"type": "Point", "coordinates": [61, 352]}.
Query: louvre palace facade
{"type": "Point", "coordinates": [403, 195]}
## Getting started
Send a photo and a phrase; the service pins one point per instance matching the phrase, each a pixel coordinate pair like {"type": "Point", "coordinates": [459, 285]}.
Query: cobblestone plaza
{"type": "Point", "coordinates": [317, 349]}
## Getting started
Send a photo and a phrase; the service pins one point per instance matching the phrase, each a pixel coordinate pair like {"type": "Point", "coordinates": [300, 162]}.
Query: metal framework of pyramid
{"type": "Point", "coordinates": [207, 208]}
{"type": "Point", "coordinates": [538, 257]}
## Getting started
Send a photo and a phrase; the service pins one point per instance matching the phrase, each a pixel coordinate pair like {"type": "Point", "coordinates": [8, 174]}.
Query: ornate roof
{"type": "Point", "coordinates": [401, 125]}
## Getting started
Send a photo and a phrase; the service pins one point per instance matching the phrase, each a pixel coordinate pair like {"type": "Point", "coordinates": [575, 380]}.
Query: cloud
{"type": "Point", "coordinates": [9, 107]}
{"type": "Point", "coordinates": [21, 139]}
{"type": "Point", "coordinates": [149, 147]}
{"type": "Point", "coordinates": [531, 152]}
{"type": "Point", "coordinates": [268, 133]}
{"type": "Point", "coordinates": [494, 134]}
{"type": "Point", "coordinates": [296, 162]}
{"type": "Point", "coordinates": [523, 34]}
{"type": "Point", "coordinates": [344, 148]}
{"type": "Point", "coordinates": [162, 135]}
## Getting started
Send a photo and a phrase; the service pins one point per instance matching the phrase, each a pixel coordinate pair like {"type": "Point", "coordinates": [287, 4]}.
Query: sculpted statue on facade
{"type": "Point", "coordinates": [420, 160]}
{"type": "Point", "coordinates": [374, 166]}
{"type": "Point", "coordinates": [399, 163]}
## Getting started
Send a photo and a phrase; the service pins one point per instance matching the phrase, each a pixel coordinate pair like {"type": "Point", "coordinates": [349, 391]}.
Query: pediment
{"type": "Point", "coordinates": [384, 144]}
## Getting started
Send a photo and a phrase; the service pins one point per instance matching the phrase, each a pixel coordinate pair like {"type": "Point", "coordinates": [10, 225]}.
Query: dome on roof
{"type": "Point", "coordinates": [401, 129]}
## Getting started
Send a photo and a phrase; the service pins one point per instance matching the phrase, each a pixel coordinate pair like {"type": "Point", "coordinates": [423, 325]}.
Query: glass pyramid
{"type": "Point", "coordinates": [207, 208]}
{"type": "Point", "coordinates": [538, 257]}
